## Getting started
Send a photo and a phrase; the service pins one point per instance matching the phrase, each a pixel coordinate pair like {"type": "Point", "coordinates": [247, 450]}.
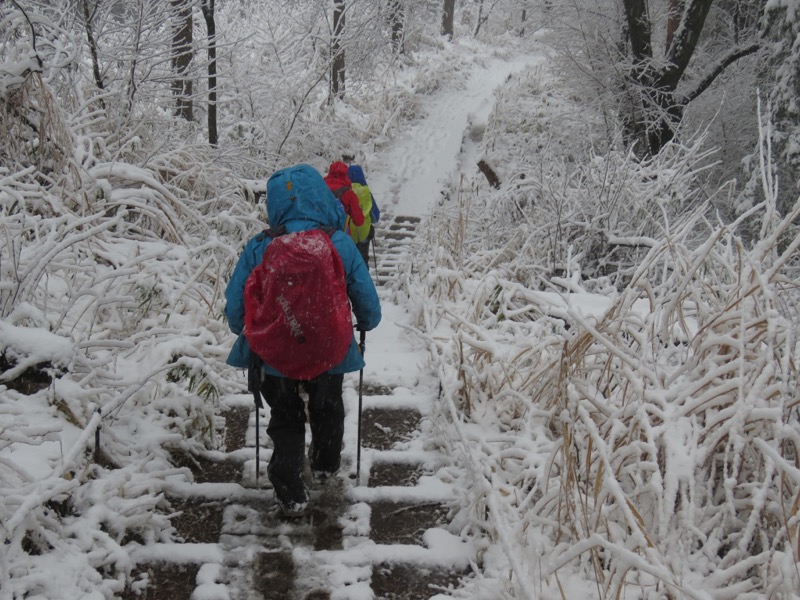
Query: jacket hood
{"type": "Point", "coordinates": [356, 174]}
{"type": "Point", "coordinates": [299, 193]}
{"type": "Point", "coordinates": [338, 171]}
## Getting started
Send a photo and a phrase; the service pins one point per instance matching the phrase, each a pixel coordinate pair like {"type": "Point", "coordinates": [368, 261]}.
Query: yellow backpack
{"type": "Point", "coordinates": [361, 233]}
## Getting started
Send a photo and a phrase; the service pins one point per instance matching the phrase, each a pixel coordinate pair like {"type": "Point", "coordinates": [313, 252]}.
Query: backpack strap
{"type": "Point", "coordinates": [339, 192]}
{"type": "Point", "coordinates": [272, 232]}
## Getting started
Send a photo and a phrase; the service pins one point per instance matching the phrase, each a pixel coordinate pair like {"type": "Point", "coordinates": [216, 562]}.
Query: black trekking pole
{"type": "Point", "coordinates": [375, 261]}
{"type": "Point", "coordinates": [254, 385]}
{"type": "Point", "coordinates": [258, 445]}
{"type": "Point", "coordinates": [362, 347]}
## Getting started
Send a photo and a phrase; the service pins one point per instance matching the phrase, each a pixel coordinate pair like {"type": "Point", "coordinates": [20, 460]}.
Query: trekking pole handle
{"type": "Point", "coordinates": [362, 341]}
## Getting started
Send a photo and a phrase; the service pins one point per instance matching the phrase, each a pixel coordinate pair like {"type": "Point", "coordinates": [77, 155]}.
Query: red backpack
{"type": "Point", "coordinates": [296, 311]}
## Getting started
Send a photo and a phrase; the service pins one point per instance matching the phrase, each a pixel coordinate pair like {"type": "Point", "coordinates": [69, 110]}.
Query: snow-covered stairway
{"type": "Point", "coordinates": [382, 537]}
{"type": "Point", "coordinates": [407, 505]}
{"type": "Point", "coordinates": [393, 234]}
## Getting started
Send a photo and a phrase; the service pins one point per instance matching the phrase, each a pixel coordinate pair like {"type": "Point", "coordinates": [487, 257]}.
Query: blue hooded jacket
{"type": "Point", "coordinates": [299, 199]}
{"type": "Point", "coordinates": [356, 174]}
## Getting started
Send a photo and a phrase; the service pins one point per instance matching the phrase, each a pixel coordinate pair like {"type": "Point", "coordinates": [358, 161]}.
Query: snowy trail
{"type": "Point", "coordinates": [360, 539]}
{"type": "Point", "coordinates": [409, 176]}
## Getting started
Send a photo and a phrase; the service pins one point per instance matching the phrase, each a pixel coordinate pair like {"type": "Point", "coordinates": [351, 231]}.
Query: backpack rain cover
{"type": "Point", "coordinates": [297, 313]}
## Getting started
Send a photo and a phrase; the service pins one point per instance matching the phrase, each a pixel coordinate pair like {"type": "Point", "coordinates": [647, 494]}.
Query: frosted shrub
{"type": "Point", "coordinates": [112, 278]}
{"type": "Point", "coordinates": [645, 440]}
{"type": "Point", "coordinates": [570, 203]}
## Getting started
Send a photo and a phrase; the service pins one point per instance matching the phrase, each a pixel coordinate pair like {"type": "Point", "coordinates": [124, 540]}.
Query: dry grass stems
{"type": "Point", "coordinates": [652, 445]}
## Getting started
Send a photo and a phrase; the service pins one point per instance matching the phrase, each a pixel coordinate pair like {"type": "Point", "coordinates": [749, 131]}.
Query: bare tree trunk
{"type": "Point", "coordinates": [448, 14]}
{"type": "Point", "coordinates": [489, 173]}
{"type": "Point", "coordinates": [337, 52]}
{"type": "Point", "coordinates": [182, 58]}
{"type": "Point", "coordinates": [657, 109]}
{"type": "Point", "coordinates": [674, 14]}
{"type": "Point", "coordinates": [480, 19]}
{"type": "Point", "coordinates": [397, 14]}
{"type": "Point", "coordinates": [87, 22]}
{"type": "Point", "coordinates": [137, 42]}
{"type": "Point", "coordinates": [211, 32]}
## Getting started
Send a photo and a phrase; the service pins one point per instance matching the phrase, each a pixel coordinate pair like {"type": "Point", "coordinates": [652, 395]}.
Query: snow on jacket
{"type": "Point", "coordinates": [308, 205]}
{"type": "Point", "coordinates": [337, 179]}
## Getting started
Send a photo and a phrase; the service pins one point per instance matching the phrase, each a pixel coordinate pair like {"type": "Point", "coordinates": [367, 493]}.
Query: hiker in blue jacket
{"type": "Point", "coordinates": [299, 199]}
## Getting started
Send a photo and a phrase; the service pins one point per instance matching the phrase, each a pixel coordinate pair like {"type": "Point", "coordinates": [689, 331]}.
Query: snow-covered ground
{"type": "Point", "coordinates": [422, 163]}
{"type": "Point", "coordinates": [408, 177]}
{"type": "Point", "coordinates": [412, 172]}
{"type": "Point", "coordinates": [625, 403]}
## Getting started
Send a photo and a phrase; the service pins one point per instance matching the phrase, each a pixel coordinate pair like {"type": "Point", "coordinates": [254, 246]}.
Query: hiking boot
{"type": "Point", "coordinates": [322, 477]}
{"type": "Point", "coordinates": [291, 500]}
{"type": "Point", "coordinates": [293, 510]}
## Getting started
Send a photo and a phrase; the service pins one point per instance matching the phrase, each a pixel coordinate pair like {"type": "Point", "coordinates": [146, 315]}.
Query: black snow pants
{"type": "Point", "coordinates": [287, 430]}
{"type": "Point", "coordinates": [363, 250]}
{"type": "Point", "coordinates": [363, 246]}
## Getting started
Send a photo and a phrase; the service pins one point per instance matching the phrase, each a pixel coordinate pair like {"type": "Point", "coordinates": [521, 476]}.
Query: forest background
{"type": "Point", "coordinates": [653, 450]}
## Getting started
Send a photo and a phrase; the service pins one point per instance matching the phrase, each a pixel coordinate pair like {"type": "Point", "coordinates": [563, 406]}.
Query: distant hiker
{"type": "Point", "coordinates": [341, 186]}
{"type": "Point", "coordinates": [356, 175]}
{"type": "Point", "coordinates": [363, 234]}
{"type": "Point", "coordinates": [299, 205]}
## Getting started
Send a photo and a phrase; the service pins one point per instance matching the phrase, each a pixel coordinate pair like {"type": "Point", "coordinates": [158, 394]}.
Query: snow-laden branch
{"type": "Point", "coordinates": [617, 437]}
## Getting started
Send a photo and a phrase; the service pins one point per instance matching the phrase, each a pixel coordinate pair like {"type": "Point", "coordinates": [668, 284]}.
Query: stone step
{"type": "Point", "coordinates": [381, 429]}
{"type": "Point", "coordinates": [258, 543]}
{"type": "Point", "coordinates": [404, 522]}
{"type": "Point", "coordinates": [398, 581]}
